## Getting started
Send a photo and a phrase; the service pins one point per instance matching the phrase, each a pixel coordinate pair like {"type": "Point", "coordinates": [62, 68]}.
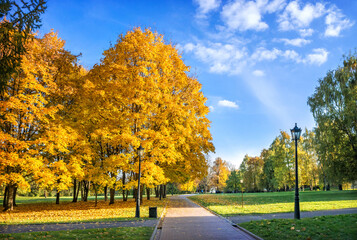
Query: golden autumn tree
{"type": "Point", "coordinates": [65, 148]}
{"type": "Point", "coordinates": [145, 96]}
{"type": "Point", "coordinates": [220, 174]}
{"type": "Point", "coordinates": [29, 120]}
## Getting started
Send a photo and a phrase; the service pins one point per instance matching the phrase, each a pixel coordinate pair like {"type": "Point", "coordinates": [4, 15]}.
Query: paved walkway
{"type": "Point", "coordinates": [187, 220]}
{"type": "Point", "coordinates": [72, 226]}
{"type": "Point", "coordinates": [247, 218]}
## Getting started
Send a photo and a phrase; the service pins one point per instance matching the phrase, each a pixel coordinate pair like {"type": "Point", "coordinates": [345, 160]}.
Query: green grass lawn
{"type": "Point", "coordinates": [325, 227]}
{"type": "Point", "coordinates": [277, 202]}
{"type": "Point", "coordinates": [128, 233]}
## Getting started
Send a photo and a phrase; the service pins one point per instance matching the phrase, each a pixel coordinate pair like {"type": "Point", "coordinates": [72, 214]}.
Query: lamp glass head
{"type": "Point", "coordinates": [295, 132]}
{"type": "Point", "coordinates": [141, 151]}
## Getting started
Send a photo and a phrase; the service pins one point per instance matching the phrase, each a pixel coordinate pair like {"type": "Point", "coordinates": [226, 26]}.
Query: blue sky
{"type": "Point", "coordinates": [258, 61]}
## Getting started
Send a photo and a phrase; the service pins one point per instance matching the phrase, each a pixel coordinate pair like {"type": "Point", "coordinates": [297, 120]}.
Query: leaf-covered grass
{"type": "Point", "coordinates": [325, 227]}
{"type": "Point", "coordinates": [66, 211]}
{"type": "Point", "coordinates": [277, 202]}
{"type": "Point", "coordinates": [128, 233]}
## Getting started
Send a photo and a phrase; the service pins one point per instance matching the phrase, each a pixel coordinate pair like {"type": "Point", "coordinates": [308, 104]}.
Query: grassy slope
{"type": "Point", "coordinates": [128, 233]}
{"type": "Point", "coordinates": [277, 202]}
{"type": "Point", "coordinates": [326, 227]}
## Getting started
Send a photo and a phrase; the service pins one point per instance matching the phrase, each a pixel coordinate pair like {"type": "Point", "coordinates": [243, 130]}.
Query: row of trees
{"type": "Point", "coordinates": [274, 169]}
{"type": "Point", "coordinates": [65, 127]}
{"type": "Point", "coordinates": [271, 171]}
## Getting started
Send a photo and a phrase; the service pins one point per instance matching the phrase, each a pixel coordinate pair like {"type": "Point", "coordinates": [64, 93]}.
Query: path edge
{"type": "Point", "coordinates": [227, 220]}
{"type": "Point", "coordinates": [153, 235]}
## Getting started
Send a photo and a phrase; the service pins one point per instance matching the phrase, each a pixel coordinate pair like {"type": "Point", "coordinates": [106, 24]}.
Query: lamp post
{"type": "Point", "coordinates": [241, 184]}
{"type": "Point", "coordinates": [140, 153]}
{"type": "Point", "coordinates": [295, 134]}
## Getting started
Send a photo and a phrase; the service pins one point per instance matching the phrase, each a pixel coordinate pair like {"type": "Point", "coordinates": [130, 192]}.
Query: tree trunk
{"type": "Point", "coordinates": [45, 193]}
{"type": "Point", "coordinates": [135, 193]}
{"type": "Point", "coordinates": [147, 193]}
{"type": "Point", "coordinates": [161, 192]}
{"type": "Point", "coordinates": [156, 191]}
{"type": "Point", "coordinates": [96, 194]}
{"type": "Point", "coordinates": [164, 191]}
{"type": "Point", "coordinates": [86, 186]}
{"type": "Point", "coordinates": [15, 190]}
{"type": "Point", "coordinates": [74, 190]}
{"type": "Point", "coordinates": [57, 197]}
{"type": "Point", "coordinates": [6, 193]}
{"type": "Point", "coordinates": [325, 187]}
{"type": "Point", "coordinates": [340, 187]}
{"type": "Point", "coordinates": [125, 195]}
{"type": "Point", "coordinates": [82, 192]}
{"type": "Point", "coordinates": [9, 203]}
{"type": "Point", "coordinates": [141, 194]}
{"type": "Point", "coordinates": [78, 189]}
{"type": "Point", "coordinates": [105, 193]}
{"type": "Point", "coordinates": [112, 193]}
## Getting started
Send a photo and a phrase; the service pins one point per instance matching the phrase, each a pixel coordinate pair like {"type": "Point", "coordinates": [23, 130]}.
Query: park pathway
{"type": "Point", "coordinates": [187, 220]}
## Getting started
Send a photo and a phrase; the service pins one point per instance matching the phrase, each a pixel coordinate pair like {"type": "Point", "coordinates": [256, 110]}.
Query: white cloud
{"type": "Point", "coordinates": [229, 104]}
{"type": "Point", "coordinates": [318, 57]}
{"type": "Point", "coordinates": [306, 32]}
{"type": "Point", "coordinates": [211, 108]}
{"type": "Point", "coordinates": [292, 55]}
{"type": "Point", "coordinates": [206, 6]}
{"type": "Point", "coordinates": [258, 73]}
{"type": "Point", "coordinates": [188, 47]}
{"type": "Point", "coordinates": [222, 58]}
{"type": "Point", "coordinates": [261, 54]}
{"type": "Point", "coordinates": [227, 58]}
{"type": "Point", "coordinates": [336, 22]}
{"type": "Point", "coordinates": [242, 16]}
{"type": "Point", "coordinates": [296, 16]}
{"type": "Point", "coordinates": [275, 6]}
{"type": "Point", "coordinates": [297, 42]}
{"type": "Point", "coordinates": [245, 15]}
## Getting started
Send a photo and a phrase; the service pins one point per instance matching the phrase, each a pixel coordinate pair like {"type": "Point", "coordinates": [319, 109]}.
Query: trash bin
{"type": "Point", "coordinates": [152, 212]}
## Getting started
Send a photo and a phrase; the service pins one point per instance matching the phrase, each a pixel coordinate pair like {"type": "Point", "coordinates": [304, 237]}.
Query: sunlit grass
{"type": "Point", "coordinates": [325, 227]}
{"type": "Point", "coordinates": [49, 212]}
{"type": "Point", "coordinates": [261, 203]}
{"type": "Point", "coordinates": [128, 233]}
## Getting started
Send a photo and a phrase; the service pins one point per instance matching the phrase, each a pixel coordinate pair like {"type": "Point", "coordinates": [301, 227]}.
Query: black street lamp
{"type": "Point", "coordinates": [295, 135]}
{"type": "Point", "coordinates": [140, 153]}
